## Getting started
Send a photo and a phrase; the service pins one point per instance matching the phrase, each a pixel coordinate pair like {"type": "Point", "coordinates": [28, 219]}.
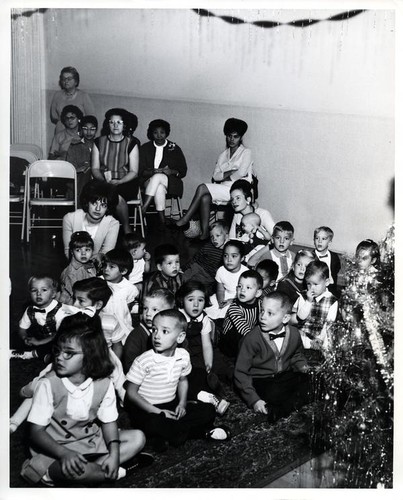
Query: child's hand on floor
{"type": "Point", "coordinates": [260, 407]}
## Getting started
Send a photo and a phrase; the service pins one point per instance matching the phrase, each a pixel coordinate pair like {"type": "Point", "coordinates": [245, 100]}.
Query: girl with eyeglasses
{"type": "Point", "coordinates": [74, 435]}
{"type": "Point", "coordinates": [69, 80]}
{"type": "Point", "coordinates": [115, 159]}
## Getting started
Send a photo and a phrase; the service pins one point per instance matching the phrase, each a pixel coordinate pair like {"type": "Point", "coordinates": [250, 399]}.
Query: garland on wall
{"type": "Point", "coordinates": [299, 23]}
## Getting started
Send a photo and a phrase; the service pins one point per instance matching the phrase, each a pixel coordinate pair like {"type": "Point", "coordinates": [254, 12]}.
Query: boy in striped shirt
{"type": "Point", "coordinates": [243, 314]}
{"type": "Point", "coordinates": [157, 386]}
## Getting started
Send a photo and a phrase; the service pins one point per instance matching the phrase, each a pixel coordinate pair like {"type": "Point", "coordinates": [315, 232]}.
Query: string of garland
{"type": "Point", "coordinates": [355, 384]}
{"type": "Point", "coordinates": [16, 13]}
{"type": "Point", "coordinates": [299, 23]}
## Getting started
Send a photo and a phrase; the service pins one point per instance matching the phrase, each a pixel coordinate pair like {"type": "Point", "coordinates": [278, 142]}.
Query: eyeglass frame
{"type": "Point", "coordinates": [118, 122]}
{"type": "Point", "coordinates": [93, 129]}
{"type": "Point", "coordinates": [56, 351]}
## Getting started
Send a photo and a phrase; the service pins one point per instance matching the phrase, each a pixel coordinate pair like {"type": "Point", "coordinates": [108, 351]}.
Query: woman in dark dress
{"type": "Point", "coordinates": [162, 167]}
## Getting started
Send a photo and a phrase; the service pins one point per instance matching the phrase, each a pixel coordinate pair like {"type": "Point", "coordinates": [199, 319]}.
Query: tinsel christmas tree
{"type": "Point", "coordinates": [355, 384]}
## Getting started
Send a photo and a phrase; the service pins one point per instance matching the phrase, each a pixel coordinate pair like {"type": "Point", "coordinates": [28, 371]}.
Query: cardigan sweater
{"type": "Point", "coordinates": [172, 157]}
{"type": "Point", "coordinates": [259, 358]}
{"type": "Point", "coordinates": [105, 237]}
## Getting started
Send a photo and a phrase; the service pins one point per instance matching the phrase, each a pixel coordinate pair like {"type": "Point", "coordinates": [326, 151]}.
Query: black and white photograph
{"type": "Point", "coordinates": [199, 268]}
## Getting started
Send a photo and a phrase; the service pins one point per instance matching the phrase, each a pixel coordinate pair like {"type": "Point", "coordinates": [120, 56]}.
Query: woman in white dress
{"type": "Point", "coordinates": [234, 163]}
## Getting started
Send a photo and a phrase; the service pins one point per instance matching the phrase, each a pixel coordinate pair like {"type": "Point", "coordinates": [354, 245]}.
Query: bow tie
{"type": "Point", "coordinates": [273, 336]}
{"type": "Point", "coordinates": [323, 256]}
{"type": "Point", "coordinates": [37, 310]}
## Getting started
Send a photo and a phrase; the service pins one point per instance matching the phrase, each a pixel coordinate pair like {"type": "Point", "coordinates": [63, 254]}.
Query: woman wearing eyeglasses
{"type": "Point", "coordinates": [69, 80]}
{"type": "Point", "coordinates": [71, 117]}
{"type": "Point", "coordinates": [115, 159]}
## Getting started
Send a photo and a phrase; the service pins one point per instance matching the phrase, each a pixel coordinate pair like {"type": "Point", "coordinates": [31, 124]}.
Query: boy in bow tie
{"type": "Point", "coordinates": [271, 368]}
{"type": "Point", "coordinates": [322, 238]}
{"type": "Point", "coordinates": [41, 320]}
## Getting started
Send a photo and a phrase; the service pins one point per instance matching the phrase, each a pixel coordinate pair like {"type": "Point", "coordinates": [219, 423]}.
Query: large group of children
{"type": "Point", "coordinates": [164, 342]}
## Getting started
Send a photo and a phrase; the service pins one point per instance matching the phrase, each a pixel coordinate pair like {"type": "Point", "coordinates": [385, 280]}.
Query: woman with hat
{"type": "Point", "coordinates": [115, 159]}
{"type": "Point", "coordinates": [162, 167]}
{"type": "Point", "coordinates": [234, 163]}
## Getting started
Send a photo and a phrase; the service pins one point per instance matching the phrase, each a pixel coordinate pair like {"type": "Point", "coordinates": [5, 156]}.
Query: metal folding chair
{"type": "Point", "coordinates": [30, 153]}
{"type": "Point", "coordinates": [43, 170]}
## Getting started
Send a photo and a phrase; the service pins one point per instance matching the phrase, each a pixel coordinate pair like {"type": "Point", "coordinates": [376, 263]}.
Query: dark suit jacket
{"type": "Point", "coordinates": [172, 157]}
{"type": "Point", "coordinates": [335, 267]}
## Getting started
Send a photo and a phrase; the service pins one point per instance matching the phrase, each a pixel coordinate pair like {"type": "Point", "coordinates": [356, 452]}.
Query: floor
{"type": "Point", "coordinates": [198, 464]}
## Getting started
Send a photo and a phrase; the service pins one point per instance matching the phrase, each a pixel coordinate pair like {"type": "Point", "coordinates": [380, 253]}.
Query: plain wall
{"type": "Point", "coordinates": [319, 102]}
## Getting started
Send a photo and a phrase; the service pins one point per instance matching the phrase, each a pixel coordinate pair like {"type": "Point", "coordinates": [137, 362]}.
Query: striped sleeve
{"type": "Point", "coordinates": [242, 319]}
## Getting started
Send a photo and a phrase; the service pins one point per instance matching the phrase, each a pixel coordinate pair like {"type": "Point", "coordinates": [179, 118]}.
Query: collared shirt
{"type": "Point", "coordinates": [303, 307]}
{"type": "Point", "coordinates": [326, 260]}
{"type": "Point", "coordinates": [202, 318]}
{"type": "Point", "coordinates": [64, 311]}
{"type": "Point", "coordinates": [79, 401]}
{"type": "Point", "coordinates": [158, 376]}
{"type": "Point", "coordinates": [159, 151]}
{"type": "Point", "coordinates": [278, 342]}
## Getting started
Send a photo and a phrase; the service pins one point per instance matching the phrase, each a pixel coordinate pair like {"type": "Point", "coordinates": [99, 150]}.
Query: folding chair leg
{"type": "Point", "coordinates": [178, 200]}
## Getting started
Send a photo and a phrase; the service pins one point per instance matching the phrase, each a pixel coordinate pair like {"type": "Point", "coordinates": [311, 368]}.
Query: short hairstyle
{"type": "Point", "coordinates": [325, 229]}
{"type": "Point", "coordinates": [162, 251]}
{"type": "Point", "coordinates": [244, 186]}
{"type": "Point", "coordinates": [252, 218]}
{"type": "Point", "coordinates": [187, 288]}
{"type": "Point", "coordinates": [89, 119]}
{"type": "Point", "coordinates": [53, 282]}
{"type": "Point", "coordinates": [70, 108]}
{"type": "Point", "coordinates": [235, 125]}
{"type": "Point", "coordinates": [156, 124]}
{"type": "Point", "coordinates": [250, 273]}
{"type": "Point", "coordinates": [73, 71]}
{"type": "Point", "coordinates": [88, 333]}
{"type": "Point", "coordinates": [161, 293]}
{"type": "Point", "coordinates": [317, 267]}
{"type": "Point", "coordinates": [283, 298]}
{"type": "Point", "coordinates": [117, 112]}
{"type": "Point", "coordinates": [237, 244]}
{"type": "Point", "coordinates": [304, 253]}
{"type": "Point", "coordinates": [95, 288]}
{"type": "Point", "coordinates": [270, 267]}
{"type": "Point", "coordinates": [174, 314]}
{"type": "Point", "coordinates": [133, 240]}
{"type": "Point", "coordinates": [80, 239]}
{"type": "Point", "coordinates": [120, 258]}
{"type": "Point", "coordinates": [372, 247]}
{"type": "Point", "coordinates": [219, 223]}
{"type": "Point", "coordinates": [283, 225]}
{"type": "Point", "coordinates": [96, 190]}
{"type": "Point", "coordinates": [132, 122]}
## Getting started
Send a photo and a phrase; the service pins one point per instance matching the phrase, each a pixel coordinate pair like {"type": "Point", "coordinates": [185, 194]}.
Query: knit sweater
{"type": "Point", "coordinates": [259, 358]}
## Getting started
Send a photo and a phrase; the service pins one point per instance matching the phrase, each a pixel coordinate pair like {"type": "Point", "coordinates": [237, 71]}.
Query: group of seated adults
{"type": "Point", "coordinates": [157, 167]}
